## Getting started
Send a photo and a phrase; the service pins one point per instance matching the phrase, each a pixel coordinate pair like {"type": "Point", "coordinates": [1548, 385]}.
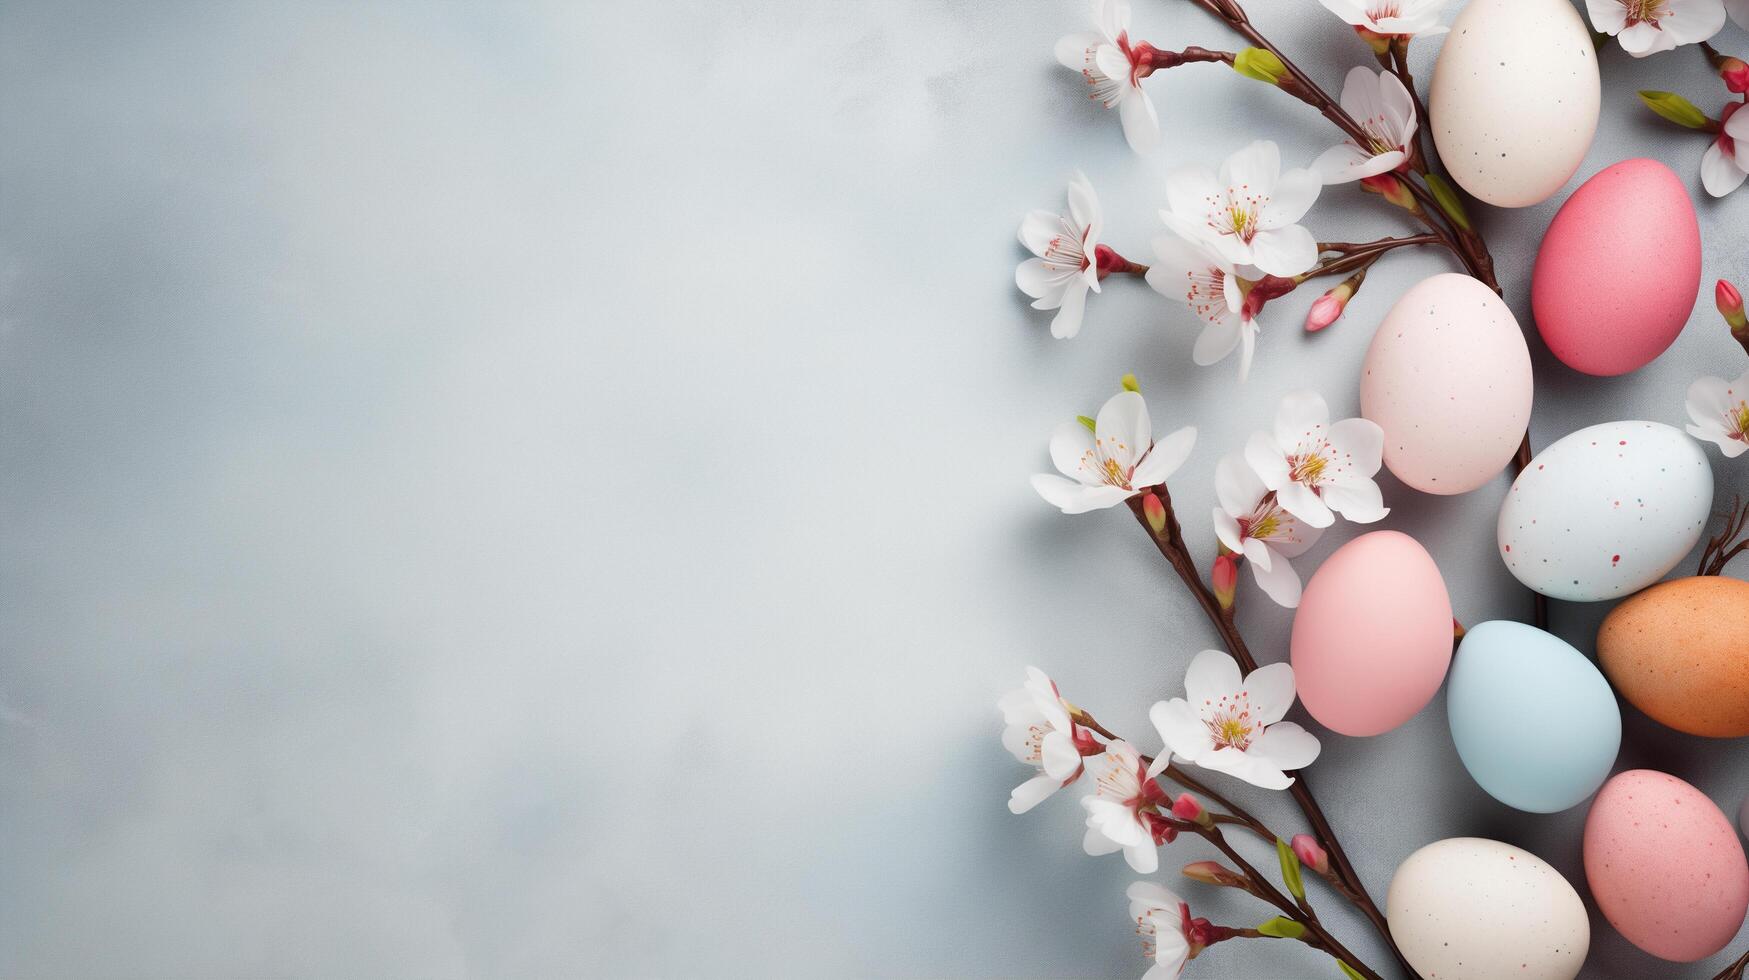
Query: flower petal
{"type": "Point", "coordinates": [1719, 172]}
{"type": "Point", "coordinates": [1072, 49]}
{"type": "Point", "coordinates": [1165, 458]}
{"type": "Point", "coordinates": [1267, 460]}
{"type": "Point", "coordinates": [1058, 756]}
{"type": "Point", "coordinates": [1095, 843]}
{"type": "Point", "coordinates": [1255, 166]}
{"type": "Point", "coordinates": [1212, 675]}
{"type": "Point", "coordinates": [1241, 765]}
{"type": "Point", "coordinates": [1279, 581]}
{"type": "Point", "coordinates": [1144, 859]}
{"type": "Point", "coordinates": [1271, 687]}
{"type": "Point", "coordinates": [1345, 163]}
{"type": "Point", "coordinates": [1607, 16]}
{"type": "Point", "coordinates": [1141, 123]}
{"type": "Point", "coordinates": [1188, 192]}
{"type": "Point", "coordinates": [1083, 203]}
{"type": "Point", "coordinates": [1286, 746]}
{"type": "Point", "coordinates": [1227, 530]}
{"type": "Point", "coordinates": [1067, 322]}
{"type": "Point", "coordinates": [1690, 21]}
{"type": "Point", "coordinates": [1074, 498]}
{"type": "Point", "coordinates": [1182, 730]}
{"type": "Point", "coordinates": [1071, 448]}
{"type": "Point", "coordinates": [1032, 792]}
{"type": "Point", "coordinates": [1359, 445]}
{"type": "Point", "coordinates": [1122, 429]}
{"type": "Point", "coordinates": [1300, 501]}
{"type": "Point", "coordinates": [1360, 501]}
{"type": "Point", "coordinates": [1237, 486]}
{"type": "Point", "coordinates": [1216, 341]}
{"type": "Point", "coordinates": [1286, 251]}
{"type": "Point", "coordinates": [1300, 419]}
{"type": "Point", "coordinates": [1294, 195]}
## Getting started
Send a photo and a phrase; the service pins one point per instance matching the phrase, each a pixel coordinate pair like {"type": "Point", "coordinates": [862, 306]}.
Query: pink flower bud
{"type": "Point", "coordinates": [1310, 853]}
{"type": "Point", "coordinates": [1188, 807]}
{"type": "Point", "coordinates": [1325, 309]}
{"type": "Point", "coordinates": [1213, 873]}
{"type": "Point", "coordinates": [1730, 303]}
{"type": "Point", "coordinates": [1155, 511]}
{"type": "Point", "coordinates": [1392, 190]}
{"type": "Point", "coordinates": [1735, 74]}
{"type": "Point", "coordinates": [1107, 261]}
{"type": "Point", "coordinates": [1226, 579]}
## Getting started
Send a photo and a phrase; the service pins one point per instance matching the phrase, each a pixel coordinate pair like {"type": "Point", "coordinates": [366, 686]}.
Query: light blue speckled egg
{"type": "Point", "coordinates": [1533, 719]}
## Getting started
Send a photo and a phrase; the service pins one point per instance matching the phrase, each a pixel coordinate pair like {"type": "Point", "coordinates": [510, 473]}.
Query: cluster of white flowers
{"type": "Point", "coordinates": [1646, 27]}
{"type": "Point", "coordinates": [1720, 410]}
{"type": "Point", "coordinates": [1275, 498]}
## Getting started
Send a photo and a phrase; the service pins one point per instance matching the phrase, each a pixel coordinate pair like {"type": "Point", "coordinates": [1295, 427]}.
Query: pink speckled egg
{"type": "Point", "coordinates": [1665, 866]}
{"type": "Point", "coordinates": [1372, 636]}
{"type": "Point", "coordinates": [1448, 378]}
{"type": "Point", "coordinates": [1619, 269]}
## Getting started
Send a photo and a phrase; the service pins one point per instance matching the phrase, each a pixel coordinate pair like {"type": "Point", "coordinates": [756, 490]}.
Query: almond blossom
{"type": "Point", "coordinates": [1726, 162]}
{"type": "Point", "coordinates": [1040, 734]}
{"type": "Point", "coordinates": [1316, 469]}
{"type": "Point", "coordinates": [1064, 265]}
{"type": "Point", "coordinates": [1162, 920]}
{"type": "Point", "coordinates": [1248, 209]}
{"type": "Point", "coordinates": [1124, 813]}
{"type": "Point", "coordinates": [1384, 109]}
{"type": "Point", "coordinates": [1251, 522]}
{"type": "Point", "coordinates": [1113, 459]}
{"type": "Point", "coordinates": [1232, 724]}
{"type": "Point", "coordinates": [1112, 68]}
{"type": "Point", "coordinates": [1648, 26]}
{"type": "Point", "coordinates": [1720, 410]}
{"type": "Point", "coordinates": [1390, 18]}
{"type": "Point", "coordinates": [1189, 269]}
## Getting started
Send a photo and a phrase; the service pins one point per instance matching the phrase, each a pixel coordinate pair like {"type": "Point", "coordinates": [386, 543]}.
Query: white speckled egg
{"type": "Point", "coordinates": [1467, 908]}
{"type": "Point", "coordinates": [1606, 511]}
{"type": "Point", "coordinates": [1448, 379]}
{"type": "Point", "coordinates": [1514, 99]}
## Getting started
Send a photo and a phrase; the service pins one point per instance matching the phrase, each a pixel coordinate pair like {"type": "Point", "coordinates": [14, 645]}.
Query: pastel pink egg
{"type": "Point", "coordinates": [1619, 269]}
{"type": "Point", "coordinates": [1665, 866]}
{"type": "Point", "coordinates": [1372, 636]}
{"type": "Point", "coordinates": [1447, 377]}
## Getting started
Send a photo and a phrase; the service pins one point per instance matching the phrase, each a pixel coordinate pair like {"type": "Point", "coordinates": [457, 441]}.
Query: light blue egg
{"type": "Point", "coordinates": [1533, 719]}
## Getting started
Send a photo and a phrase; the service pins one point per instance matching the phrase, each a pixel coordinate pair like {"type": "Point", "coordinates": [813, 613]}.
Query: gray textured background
{"type": "Point", "coordinates": [530, 490]}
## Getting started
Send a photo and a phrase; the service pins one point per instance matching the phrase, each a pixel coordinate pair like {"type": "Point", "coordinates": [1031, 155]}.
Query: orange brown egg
{"type": "Point", "coordinates": [1679, 651]}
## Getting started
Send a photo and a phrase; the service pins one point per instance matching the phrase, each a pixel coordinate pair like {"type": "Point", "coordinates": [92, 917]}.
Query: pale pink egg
{"type": "Point", "coordinates": [1372, 636]}
{"type": "Point", "coordinates": [1447, 377]}
{"type": "Point", "coordinates": [1665, 866]}
{"type": "Point", "coordinates": [1619, 269]}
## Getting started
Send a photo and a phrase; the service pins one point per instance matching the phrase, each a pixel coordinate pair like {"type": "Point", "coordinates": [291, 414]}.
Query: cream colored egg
{"type": "Point", "coordinates": [1514, 99]}
{"type": "Point", "coordinates": [1467, 908]}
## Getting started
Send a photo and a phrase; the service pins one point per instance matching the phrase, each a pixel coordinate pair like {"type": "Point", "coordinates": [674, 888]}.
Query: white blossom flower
{"type": "Point", "coordinates": [1726, 162]}
{"type": "Point", "coordinates": [1720, 410]}
{"type": "Point", "coordinates": [1251, 522]}
{"type": "Point", "coordinates": [1106, 60]}
{"type": "Point", "coordinates": [1232, 724]}
{"type": "Point", "coordinates": [1115, 461]}
{"type": "Point", "coordinates": [1160, 921]}
{"type": "Point", "coordinates": [1039, 733]}
{"type": "Point", "coordinates": [1124, 813]}
{"type": "Point", "coordinates": [1384, 109]}
{"type": "Point", "coordinates": [1315, 467]}
{"type": "Point", "coordinates": [1648, 26]}
{"type": "Point", "coordinates": [1391, 18]}
{"type": "Point", "coordinates": [1064, 266]}
{"type": "Point", "coordinates": [1189, 269]}
{"type": "Point", "coordinates": [1248, 209]}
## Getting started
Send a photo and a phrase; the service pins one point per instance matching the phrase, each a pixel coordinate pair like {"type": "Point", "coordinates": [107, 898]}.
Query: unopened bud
{"type": "Point", "coordinates": [1392, 190]}
{"type": "Point", "coordinates": [1213, 873]}
{"type": "Point", "coordinates": [1457, 630]}
{"type": "Point", "coordinates": [1735, 73]}
{"type": "Point", "coordinates": [1161, 829]}
{"type": "Point", "coordinates": [1328, 307]}
{"type": "Point", "coordinates": [1730, 303]}
{"type": "Point", "coordinates": [1129, 383]}
{"type": "Point", "coordinates": [1154, 509]}
{"type": "Point", "coordinates": [1676, 109]}
{"type": "Point", "coordinates": [1226, 579]}
{"type": "Point", "coordinates": [1188, 807]}
{"type": "Point", "coordinates": [1311, 853]}
{"type": "Point", "coordinates": [1260, 64]}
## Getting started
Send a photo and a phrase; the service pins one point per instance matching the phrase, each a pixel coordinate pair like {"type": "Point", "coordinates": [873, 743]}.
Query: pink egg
{"type": "Point", "coordinates": [1447, 377]}
{"type": "Point", "coordinates": [1372, 637]}
{"type": "Point", "coordinates": [1665, 866]}
{"type": "Point", "coordinates": [1619, 269]}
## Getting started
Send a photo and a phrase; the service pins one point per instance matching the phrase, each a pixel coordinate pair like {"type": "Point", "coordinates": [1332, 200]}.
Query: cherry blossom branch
{"type": "Point", "coordinates": [1170, 542]}
{"type": "Point", "coordinates": [1450, 224]}
{"type": "Point", "coordinates": [1735, 970]}
{"type": "Point", "coordinates": [1719, 550]}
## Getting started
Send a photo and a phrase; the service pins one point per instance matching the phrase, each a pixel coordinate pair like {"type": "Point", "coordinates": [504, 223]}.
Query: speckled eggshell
{"type": "Point", "coordinates": [1619, 269]}
{"type": "Point", "coordinates": [1447, 377]}
{"type": "Point", "coordinates": [1372, 636]}
{"type": "Point", "coordinates": [1679, 651]}
{"type": "Point", "coordinates": [1665, 866]}
{"type": "Point", "coordinates": [1533, 720]}
{"type": "Point", "coordinates": [1605, 511]}
{"type": "Point", "coordinates": [1467, 908]}
{"type": "Point", "coordinates": [1514, 99]}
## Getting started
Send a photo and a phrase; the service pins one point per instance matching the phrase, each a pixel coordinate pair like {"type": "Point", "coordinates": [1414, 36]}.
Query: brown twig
{"type": "Point", "coordinates": [1719, 549]}
{"type": "Point", "coordinates": [1735, 970]}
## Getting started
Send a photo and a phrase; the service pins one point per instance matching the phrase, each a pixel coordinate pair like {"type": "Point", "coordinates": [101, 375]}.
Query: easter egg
{"type": "Point", "coordinates": [1665, 866]}
{"type": "Point", "coordinates": [1605, 511]}
{"type": "Point", "coordinates": [1679, 651]}
{"type": "Point", "coordinates": [1468, 908]}
{"type": "Point", "coordinates": [1514, 99]}
{"type": "Point", "coordinates": [1447, 378]}
{"type": "Point", "coordinates": [1619, 269]}
{"type": "Point", "coordinates": [1372, 636]}
{"type": "Point", "coordinates": [1533, 721]}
